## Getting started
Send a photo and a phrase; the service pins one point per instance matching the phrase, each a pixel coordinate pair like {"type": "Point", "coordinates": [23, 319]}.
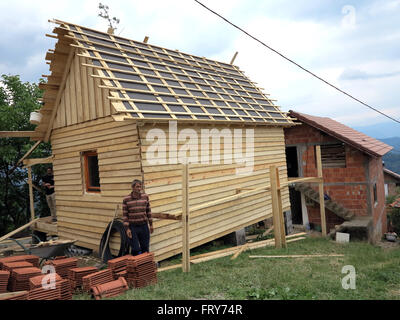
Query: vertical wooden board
{"type": "Point", "coordinates": [99, 98]}
{"type": "Point", "coordinates": [68, 107]}
{"type": "Point", "coordinates": [85, 91]}
{"type": "Point", "coordinates": [32, 206]}
{"type": "Point", "coordinates": [61, 111]}
{"type": "Point", "coordinates": [275, 207]}
{"type": "Point", "coordinates": [185, 220]}
{"type": "Point", "coordinates": [106, 102]}
{"type": "Point", "coordinates": [321, 190]}
{"type": "Point", "coordinates": [92, 98]}
{"type": "Point", "coordinates": [72, 96]}
{"type": "Point", "coordinates": [78, 90]}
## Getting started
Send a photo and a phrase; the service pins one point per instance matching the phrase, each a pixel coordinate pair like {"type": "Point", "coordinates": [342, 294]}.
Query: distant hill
{"type": "Point", "coordinates": [392, 159]}
{"type": "Point", "coordinates": [380, 131]}
{"type": "Point", "coordinates": [394, 142]}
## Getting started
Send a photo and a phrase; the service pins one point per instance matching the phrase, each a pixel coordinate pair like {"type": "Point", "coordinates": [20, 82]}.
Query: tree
{"type": "Point", "coordinates": [17, 101]}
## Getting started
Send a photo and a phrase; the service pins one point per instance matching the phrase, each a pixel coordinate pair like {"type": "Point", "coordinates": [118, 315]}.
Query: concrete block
{"type": "Point", "coordinates": [342, 237]}
{"type": "Point", "coordinates": [236, 238]}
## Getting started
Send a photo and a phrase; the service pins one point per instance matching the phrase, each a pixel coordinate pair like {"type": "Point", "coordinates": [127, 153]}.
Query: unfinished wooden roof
{"type": "Point", "coordinates": [150, 82]}
{"type": "Point", "coordinates": [344, 133]}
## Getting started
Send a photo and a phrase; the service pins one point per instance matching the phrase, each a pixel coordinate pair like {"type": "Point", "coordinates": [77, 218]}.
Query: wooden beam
{"type": "Point", "coordinates": [25, 156]}
{"type": "Point", "coordinates": [307, 179]}
{"type": "Point", "coordinates": [31, 162]}
{"type": "Point", "coordinates": [275, 207]}
{"type": "Point", "coordinates": [300, 256]}
{"type": "Point", "coordinates": [234, 57]}
{"type": "Point", "coordinates": [321, 190]}
{"type": "Point", "coordinates": [281, 217]}
{"type": "Point", "coordinates": [31, 203]}
{"type": "Point", "coordinates": [59, 94]}
{"type": "Point", "coordinates": [185, 219]}
{"type": "Point", "coordinates": [165, 216]}
{"type": "Point", "coordinates": [146, 38]}
{"type": "Point", "coordinates": [8, 235]}
{"type": "Point", "coordinates": [17, 134]}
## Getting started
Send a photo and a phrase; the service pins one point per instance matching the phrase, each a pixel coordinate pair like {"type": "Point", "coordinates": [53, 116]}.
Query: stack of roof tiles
{"type": "Point", "coordinates": [97, 278]}
{"type": "Point", "coordinates": [42, 293]}
{"type": "Point", "coordinates": [142, 270]}
{"type": "Point", "coordinates": [4, 276]}
{"type": "Point", "coordinates": [109, 289]}
{"type": "Point", "coordinates": [21, 295]}
{"type": "Point", "coordinates": [20, 278]}
{"type": "Point", "coordinates": [75, 275]}
{"type": "Point", "coordinates": [10, 266]}
{"type": "Point", "coordinates": [37, 282]}
{"type": "Point", "coordinates": [26, 257]}
{"type": "Point", "coordinates": [63, 265]}
{"type": "Point", "coordinates": [61, 291]}
{"type": "Point", "coordinates": [119, 265]}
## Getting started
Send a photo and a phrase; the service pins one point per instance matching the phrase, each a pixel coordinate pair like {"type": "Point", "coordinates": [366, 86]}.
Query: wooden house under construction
{"type": "Point", "coordinates": [115, 109]}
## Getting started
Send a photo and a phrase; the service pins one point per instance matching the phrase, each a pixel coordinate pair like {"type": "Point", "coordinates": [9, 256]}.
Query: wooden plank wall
{"type": "Point", "coordinates": [208, 183]}
{"type": "Point", "coordinates": [84, 216]}
{"type": "Point", "coordinates": [82, 99]}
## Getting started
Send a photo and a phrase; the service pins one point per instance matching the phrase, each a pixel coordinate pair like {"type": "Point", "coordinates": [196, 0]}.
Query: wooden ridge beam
{"type": "Point", "coordinates": [17, 134]}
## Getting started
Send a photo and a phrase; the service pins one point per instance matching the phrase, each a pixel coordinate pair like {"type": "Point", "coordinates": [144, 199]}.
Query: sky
{"type": "Point", "coordinates": [355, 45]}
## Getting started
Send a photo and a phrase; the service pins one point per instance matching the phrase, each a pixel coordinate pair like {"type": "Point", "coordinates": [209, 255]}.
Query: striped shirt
{"type": "Point", "coordinates": [136, 210]}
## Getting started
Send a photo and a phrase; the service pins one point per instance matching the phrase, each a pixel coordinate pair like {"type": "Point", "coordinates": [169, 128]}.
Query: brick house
{"type": "Point", "coordinates": [392, 181]}
{"type": "Point", "coordinates": [352, 171]}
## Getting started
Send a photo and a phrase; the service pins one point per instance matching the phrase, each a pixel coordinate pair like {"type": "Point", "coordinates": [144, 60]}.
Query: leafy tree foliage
{"type": "Point", "coordinates": [17, 101]}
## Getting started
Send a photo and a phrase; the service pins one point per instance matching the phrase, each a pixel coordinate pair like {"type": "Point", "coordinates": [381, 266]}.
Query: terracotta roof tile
{"type": "Point", "coordinates": [344, 133]}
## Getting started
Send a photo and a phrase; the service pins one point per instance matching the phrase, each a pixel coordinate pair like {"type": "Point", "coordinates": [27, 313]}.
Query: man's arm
{"type": "Point", "coordinates": [148, 214]}
{"type": "Point", "coordinates": [125, 215]}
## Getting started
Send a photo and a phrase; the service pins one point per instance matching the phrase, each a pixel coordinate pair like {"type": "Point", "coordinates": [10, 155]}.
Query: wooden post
{"type": "Point", "coordinates": [281, 217]}
{"type": "Point", "coordinates": [321, 190]}
{"type": "Point", "coordinates": [275, 207]}
{"type": "Point", "coordinates": [185, 220]}
{"type": "Point", "coordinates": [31, 193]}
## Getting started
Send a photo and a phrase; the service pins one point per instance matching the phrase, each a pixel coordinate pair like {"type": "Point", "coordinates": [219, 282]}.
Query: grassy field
{"type": "Point", "coordinates": [377, 275]}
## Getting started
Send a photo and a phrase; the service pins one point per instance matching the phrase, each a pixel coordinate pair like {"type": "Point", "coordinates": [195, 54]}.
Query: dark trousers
{"type": "Point", "coordinates": [140, 240]}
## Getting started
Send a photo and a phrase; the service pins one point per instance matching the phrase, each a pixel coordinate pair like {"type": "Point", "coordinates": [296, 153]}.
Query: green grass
{"type": "Point", "coordinates": [377, 275]}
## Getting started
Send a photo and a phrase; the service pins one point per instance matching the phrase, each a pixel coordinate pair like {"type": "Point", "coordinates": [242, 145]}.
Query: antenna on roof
{"type": "Point", "coordinates": [111, 22]}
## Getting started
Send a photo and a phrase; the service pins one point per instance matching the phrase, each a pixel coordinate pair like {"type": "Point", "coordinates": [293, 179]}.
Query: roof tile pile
{"type": "Point", "coordinates": [21, 295]}
{"type": "Point", "coordinates": [63, 265]}
{"type": "Point", "coordinates": [45, 294]}
{"type": "Point", "coordinates": [109, 289]}
{"type": "Point", "coordinates": [97, 278]}
{"type": "Point", "coordinates": [118, 265]}
{"type": "Point", "coordinates": [20, 278]}
{"type": "Point", "coordinates": [142, 270]}
{"type": "Point", "coordinates": [36, 282]}
{"type": "Point", "coordinates": [26, 257]}
{"type": "Point", "coordinates": [4, 276]}
{"type": "Point", "coordinates": [75, 275]}
{"type": "Point", "coordinates": [10, 266]}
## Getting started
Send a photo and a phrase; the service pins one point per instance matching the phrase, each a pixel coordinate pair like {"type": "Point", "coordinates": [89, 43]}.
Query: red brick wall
{"type": "Point", "coordinates": [353, 197]}
{"type": "Point", "coordinates": [379, 208]}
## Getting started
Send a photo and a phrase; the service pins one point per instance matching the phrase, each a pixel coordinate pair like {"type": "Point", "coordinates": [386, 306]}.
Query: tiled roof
{"type": "Point", "coordinates": [148, 81]}
{"type": "Point", "coordinates": [393, 174]}
{"type": "Point", "coordinates": [344, 133]}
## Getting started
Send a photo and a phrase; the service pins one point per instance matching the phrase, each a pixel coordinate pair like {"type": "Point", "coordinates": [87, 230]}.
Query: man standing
{"type": "Point", "coordinates": [48, 184]}
{"type": "Point", "coordinates": [137, 218]}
